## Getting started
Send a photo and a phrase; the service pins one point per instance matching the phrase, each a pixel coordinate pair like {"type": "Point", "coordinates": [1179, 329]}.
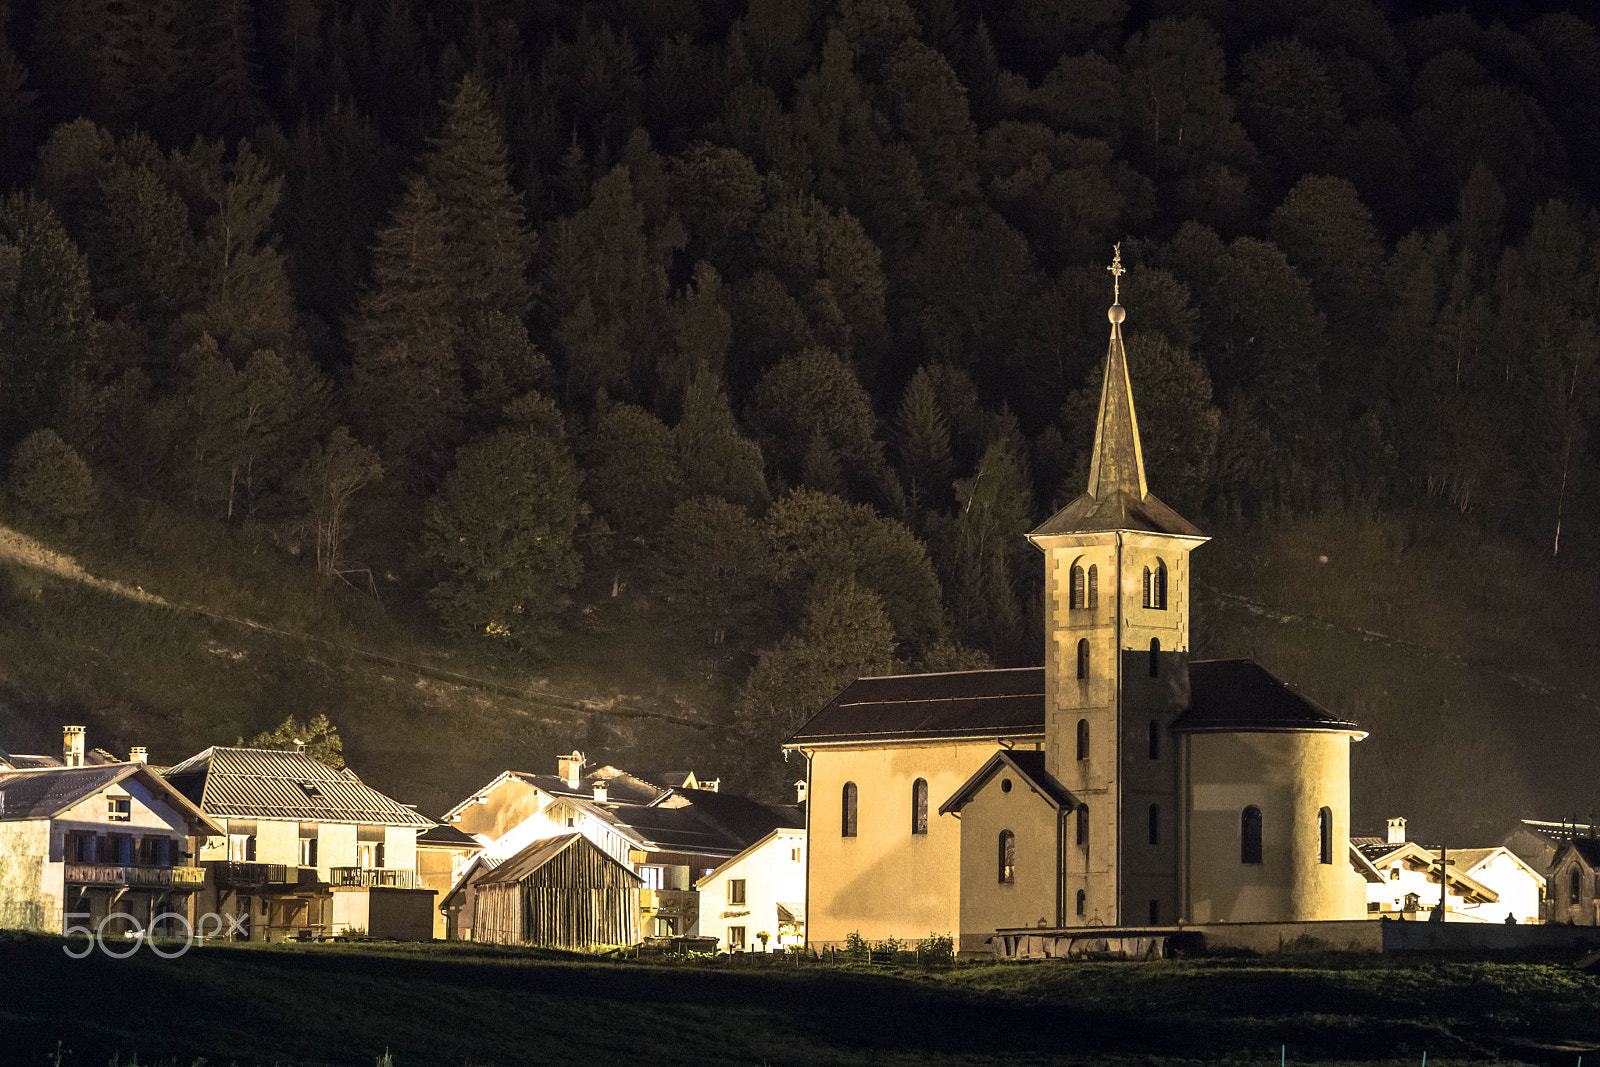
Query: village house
{"type": "Point", "coordinates": [303, 850]}
{"type": "Point", "coordinates": [443, 855]}
{"type": "Point", "coordinates": [1489, 885]}
{"type": "Point", "coordinates": [761, 890]}
{"type": "Point", "coordinates": [1574, 893]}
{"type": "Point", "coordinates": [106, 846]}
{"type": "Point", "coordinates": [669, 835]}
{"type": "Point", "coordinates": [1118, 785]}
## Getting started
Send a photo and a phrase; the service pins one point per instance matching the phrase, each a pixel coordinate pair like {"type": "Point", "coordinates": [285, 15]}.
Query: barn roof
{"type": "Point", "coordinates": [539, 853]}
{"type": "Point", "coordinates": [262, 783]}
{"type": "Point", "coordinates": [1230, 696]}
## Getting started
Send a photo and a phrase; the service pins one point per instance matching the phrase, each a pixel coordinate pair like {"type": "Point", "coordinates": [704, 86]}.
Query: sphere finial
{"type": "Point", "coordinates": [1116, 314]}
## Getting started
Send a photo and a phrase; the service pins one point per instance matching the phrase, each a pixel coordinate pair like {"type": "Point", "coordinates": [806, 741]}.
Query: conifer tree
{"type": "Point", "coordinates": [45, 323]}
{"type": "Point", "coordinates": [716, 458]}
{"type": "Point", "coordinates": [405, 378]}
{"type": "Point", "coordinates": [921, 441]}
{"type": "Point", "coordinates": [631, 464]}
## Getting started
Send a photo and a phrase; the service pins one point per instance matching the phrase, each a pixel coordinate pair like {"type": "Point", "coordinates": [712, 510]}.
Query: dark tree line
{"type": "Point", "coordinates": [793, 309]}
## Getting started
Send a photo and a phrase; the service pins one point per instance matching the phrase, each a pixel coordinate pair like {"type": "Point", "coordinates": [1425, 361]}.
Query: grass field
{"type": "Point", "coordinates": [450, 1005]}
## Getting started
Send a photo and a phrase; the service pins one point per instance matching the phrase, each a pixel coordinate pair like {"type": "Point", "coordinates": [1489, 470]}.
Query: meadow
{"type": "Point", "coordinates": [462, 1005]}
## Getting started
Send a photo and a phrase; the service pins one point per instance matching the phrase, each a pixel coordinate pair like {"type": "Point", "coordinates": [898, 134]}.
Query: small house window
{"type": "Point", "coordinates": [1155, 824]}
{"type": "Point", "coordinates": [1250, 835]}
{"type": "Point", "coordinates": [1083, 825]}
{"type": "Point", "coordinates": [1155, 657]}
{"type": "Point", "coordinates": [1394, 873]}
{"type": "Point", "coordinates": [847, 826]}
{"type": "Point", "coordinates": [1008, 857]}
{"type": "Point", "coordinates": [1083, 902]}
{"type": "Point", "coordinates": [119, 809]}
{"type": "Point", "coordinates": [1078, 598]}
{"type": "Point", "coordinates": [652, 877]}
{"type": "Point", "coordinates": [735, 938]}
{"type": "Point", "coordinates": [735, 890]}
{"type": "Point", "coordinates": [1083, 738]}
{"type": "Point", "coordinates": [308, 852]}
{"type": "Point", "coordinates": [1325, 835]}
{"type": "Point", "coordinates": [1155, 739]}
{"type": "Point", "coordinates": [1094, 586]}
{"type": "Point", "coordinates": [1083, 659]}
{"type": "Point", "coordinates": [919, 806]}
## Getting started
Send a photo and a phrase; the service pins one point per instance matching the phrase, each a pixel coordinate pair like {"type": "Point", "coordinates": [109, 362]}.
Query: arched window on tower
{"type": "Point", "coordinates": [1325, 835]}
{"type": "Point", "coordinates": [1155, 657]}
{"type": "Point", "coordinates": [1077, 599]}
{"type": "Point", "coordinates": [1250, 835]}
{"type": "Point", "coordinates": [1147, 601]}
{"type": "Point", "coordinates": [1083, 659]}
{"type": "Point", "coordinates": [847, 820]}
{"type": "Point", "coordinates": [1158, 592]}
{"type": "Point", "coordinates": [1083, 825]}
{"type": "Point", "coordinates": [1155, 739]}
{"type": "Point", "coordinates": [1083, 738]}
{"type": "Point", "coordinates": [919, 806]}
{"type": "Point", "coordinates": [1008, 857]}
{"type": "Point", "coordinates": [1155, 824]}
{"type": "Point", "coordinates": [1093, 598]}
{"type": "Point", "coordinates": [1083, 902]}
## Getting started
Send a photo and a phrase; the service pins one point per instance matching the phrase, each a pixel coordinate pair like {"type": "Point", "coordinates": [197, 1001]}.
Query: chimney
{"type": "Point", "coordinates": [712, 786]}
{"type": "Point", "coordinates": [571, 768]}
{"type": "Point", "coordinates": [72, 746]}
{"type": "Point", "coordinates": [600, 792]}
{"type": "Point", "coordinates": [800, 791]}
{"type": "Point", "coordinates": [138, 754]}
{"type": "Point", "coordinates": [299, 746]}
{"type": "Point", "coordinates": [1397, 831]}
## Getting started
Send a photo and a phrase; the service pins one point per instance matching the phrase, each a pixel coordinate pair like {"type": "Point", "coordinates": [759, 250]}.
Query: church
{"type": "Point", "coordinates": [1119, 785]}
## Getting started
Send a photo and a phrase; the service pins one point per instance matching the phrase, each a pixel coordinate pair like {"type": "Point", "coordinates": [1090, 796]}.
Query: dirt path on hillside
{"type": "Point", "coordinates": [19, 548]}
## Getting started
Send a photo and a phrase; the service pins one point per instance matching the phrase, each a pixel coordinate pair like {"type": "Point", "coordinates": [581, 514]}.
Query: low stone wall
{"type": "Point", "coordinates": [1347, 935]}
{"type": "Point", "coordinates": [1484, 937]}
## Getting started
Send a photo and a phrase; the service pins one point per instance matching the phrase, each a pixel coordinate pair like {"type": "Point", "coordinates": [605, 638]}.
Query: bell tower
{"type": "Point", "coordinates": [1117, 668]}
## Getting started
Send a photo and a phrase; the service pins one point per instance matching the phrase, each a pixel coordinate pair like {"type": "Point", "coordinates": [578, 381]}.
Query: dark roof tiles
{"type": "Point", "coordinates": [259, 783]}
{"type": "Point", "coordinates": [41, 793]}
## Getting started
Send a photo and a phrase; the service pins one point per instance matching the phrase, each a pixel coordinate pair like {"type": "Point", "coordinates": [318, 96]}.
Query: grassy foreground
{"type": "Point", "coordinates": [452, 1005]}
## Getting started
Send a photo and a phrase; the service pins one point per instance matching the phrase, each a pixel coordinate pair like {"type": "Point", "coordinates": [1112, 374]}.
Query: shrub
{"type": "Point", "coordinates": [856, 947]}
{"type": "Point", "coordinates": [937, 949]}
{"type": "Point", "coordinates": [49, 478]}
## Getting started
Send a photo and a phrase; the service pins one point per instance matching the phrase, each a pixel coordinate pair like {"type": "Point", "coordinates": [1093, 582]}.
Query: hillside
{"type": "Point", "coordinates": [1478, 693]}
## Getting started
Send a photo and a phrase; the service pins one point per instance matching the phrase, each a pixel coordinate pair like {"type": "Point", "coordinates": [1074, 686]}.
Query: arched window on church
{"type": "Point", "coordinates": [1083, 738]}
{"type": "Point", "coordinates": [1575, 896]}
{"type": "Point", "coordinates": [1325, 835]}
{"type": "Point", "coordinates": [1155, 824]}
{"type": "Point", "coordinates": [1083, 825]}
{"type": "Point", "coordinates": [1008, 857]}
{"type": "Point", "coordinates": [1077, 599]}
{"type": "Point", "coordinates": [847, 820]}
{"type": "Point", "coordinates": [1083, 659]}
{"type": "Point", "coordinates": [1083, 902]}
{"type": "Point", "coordinates": [919, 806]}
{"type": "Point", "coordinates": [1155, 739]}
{"type": "Point", "coordinates": [1155, 657]}
{"type": "Point", "coordinates": [1093, 597]}
{"type": "Point", "coordinates": [1250, 835]}
{"type": "Point", "coordinates": [1147, 602]}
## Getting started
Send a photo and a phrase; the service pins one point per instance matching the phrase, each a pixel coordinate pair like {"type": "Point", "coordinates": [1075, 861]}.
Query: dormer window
{"type": "Point", "coordinates": [310, 789]}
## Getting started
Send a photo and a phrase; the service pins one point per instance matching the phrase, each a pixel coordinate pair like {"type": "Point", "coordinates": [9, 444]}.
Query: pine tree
{"type": "Point", "coordinates": [716, 458]}
{"type": "Point", "coordinates": [921, 440]}
{"type": "Point", "coordinates": [46, 323]}
{"type": "Point", "coordinates": [405, 378]}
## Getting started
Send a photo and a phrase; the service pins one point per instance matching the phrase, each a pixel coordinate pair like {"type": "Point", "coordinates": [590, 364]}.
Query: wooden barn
{"type": "Point", "coordinates": [562, 892]}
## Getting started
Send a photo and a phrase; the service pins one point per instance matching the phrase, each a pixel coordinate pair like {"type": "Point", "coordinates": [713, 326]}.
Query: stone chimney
{"type": "Point", "coordinates": [799, 790]}
{"type": "Point", "coordinates": [299, 746]}
{"type": "Point", "coordinates": [571, 768]}
{"type": "Point", "coordinates": [138, 754]}
{"type": "Point", "coordinates": [72, 746]}
{"type": "Point", "coordinates": [1397, 831]}
{"type": "Point", "coordinates": [600, 792]}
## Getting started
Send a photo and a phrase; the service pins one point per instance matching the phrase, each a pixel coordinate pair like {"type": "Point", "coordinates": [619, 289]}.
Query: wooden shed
{"type": "Point", "coordinates": [562, 892]}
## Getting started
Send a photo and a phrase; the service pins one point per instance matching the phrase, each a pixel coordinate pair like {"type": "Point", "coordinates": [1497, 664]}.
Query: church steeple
{"type": "Point", "coordinates": [1117, 497]}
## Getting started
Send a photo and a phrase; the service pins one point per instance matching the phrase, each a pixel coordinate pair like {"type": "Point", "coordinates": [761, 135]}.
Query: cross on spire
{"type": "Point", "coordinates": [1117, 271]}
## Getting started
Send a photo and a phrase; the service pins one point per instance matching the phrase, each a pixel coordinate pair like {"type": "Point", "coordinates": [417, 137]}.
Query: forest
{"type": "Point", "coordinates": [790, 311]}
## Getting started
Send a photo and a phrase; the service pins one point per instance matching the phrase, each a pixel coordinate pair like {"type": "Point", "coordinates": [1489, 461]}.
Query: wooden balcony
{"type": "Point", "coordinates": [111, 874]}
{"type": "Point", "coordinates": [669, 901]}
{"type": "Point", "coordinates": [371, 878]}
{"type": "Point", "coordinates": [235, 874]}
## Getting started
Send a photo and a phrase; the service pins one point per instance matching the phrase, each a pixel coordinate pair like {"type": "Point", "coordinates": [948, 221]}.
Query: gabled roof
{"type": "Point", "coordinates": [956, 704]}
{"type": "Point", "coordinates": [750, 850]}
{"type": "Point", "coordinates": [1587, 848]}
{"type": "Point", "coordinates": [1428, 860]}
{"type": "Point", "coordinates": [446, 836]}
{"type": "Point", "coordinates": [710, 824]}
{"type": "Point", "coordinates": [46, 792]}
{"type": "Point", "coordinates": [1028, 766]}
{"type": "Point", "coordinates": [1225, 695]}
{"type": "Point", "coordinates": [1117, 497]}
{"type": "Point", "coordinates": [539, 853]}
{"type": "Point", "coordinates": [1363, 865]}
{"type": "Point", "coordinates": [1470, 859]}
{"type": "Point", "coordinates": [261, 783]}
{"type": "Point", "coordinates": [95, 757]}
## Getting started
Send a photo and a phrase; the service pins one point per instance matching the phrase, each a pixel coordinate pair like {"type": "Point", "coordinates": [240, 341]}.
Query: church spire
{"type": "Point", "coordinates": [1117, 463]}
